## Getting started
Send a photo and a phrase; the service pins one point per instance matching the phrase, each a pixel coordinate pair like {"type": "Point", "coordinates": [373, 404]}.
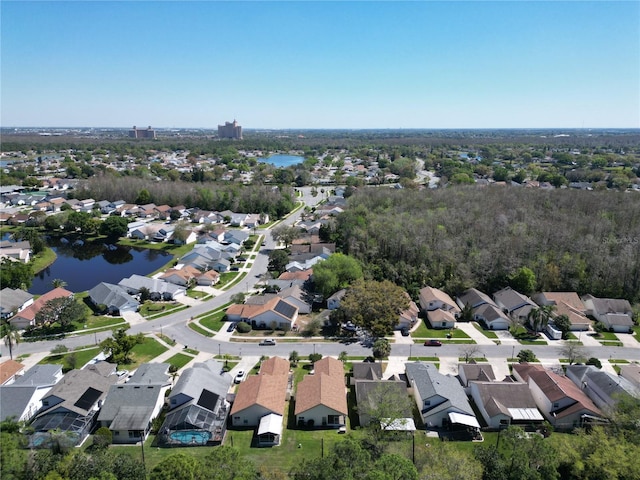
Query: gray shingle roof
{"type": "Point", "coordinates": [202, 375]}
{"type": "Point", "coordinates": [40, 375]}
{"type": "Point", "coordinates": [11, 299]}
{"type": "Point", "coordinates": [431, 383]}
{"type": "Point", "coordinates": [130, 404]}
{"type": "Point", "coordinates": [113, 296]}
{"type": "Point", "coordinates": [14, 399]}
{"type": "Point", "coordinates": [150, 373]}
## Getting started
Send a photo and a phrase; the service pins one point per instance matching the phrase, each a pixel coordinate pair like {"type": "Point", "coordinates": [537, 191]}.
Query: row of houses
{"type": "Point", "coordinates": [509, 306]}
{"type": "Point", "coordinates": [19, 307]}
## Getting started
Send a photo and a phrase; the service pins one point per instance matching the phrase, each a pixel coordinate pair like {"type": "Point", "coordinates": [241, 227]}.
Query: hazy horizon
{"type": "Point", "coordinates": [303, 65]}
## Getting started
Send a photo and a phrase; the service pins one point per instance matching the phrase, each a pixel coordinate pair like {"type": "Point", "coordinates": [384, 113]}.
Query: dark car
{"type": "Point", "coordinates": [231, 327]}
{"type": "Point", "coordinates": [404, 332]}
{"type": "Point", "coordinates": [433, 343]}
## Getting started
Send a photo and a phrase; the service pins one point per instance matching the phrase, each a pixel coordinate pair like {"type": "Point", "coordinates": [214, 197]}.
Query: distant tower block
{"type": "Point", "coordinates": [230, 130]}
{"type": "Point", "coordinates": [140, 133]}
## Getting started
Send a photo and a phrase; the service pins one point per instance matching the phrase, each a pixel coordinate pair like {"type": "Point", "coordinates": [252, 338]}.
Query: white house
{"type": "Point", "coordinates": [615, 313]}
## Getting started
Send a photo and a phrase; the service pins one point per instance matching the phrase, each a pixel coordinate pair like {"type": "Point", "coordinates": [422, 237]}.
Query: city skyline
{"type": "Point", "coordinates": [321, 65]}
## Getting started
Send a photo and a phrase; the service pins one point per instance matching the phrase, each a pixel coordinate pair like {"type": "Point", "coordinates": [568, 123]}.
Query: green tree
{"type": "Point", "coordinates": [523, 281]}
{"type": "Point", "coordinates": [563, 324]}
{"type": "Point", "coordinates": [143, 197]}
{"type": "Point", "coordinates": [102, 438]}
{"type": "Point", "coordinates": [10, 336]}
{"type": "Point", "coordinates": [285, 234]}
{"type": "Point", "coordinates": [278, 260]}
{"type": "Point", "coordinates": [392, 466]}
{"type": "Point", "coordinates": [314, 357]}
{"type": "Point", "coordinates": [385, 405]}
{"type": "Point", "coordinates": [374, 306]}
{"type": "Point", "coordinates": [120, 345]}
{"type": "Point", "coordinates": [31, 235]}
{"type": "Point", "coordinates": [114, 227]}
{"type": "Point", "coordinates": [61, 310]}
{"type": "Point", "coordinates": [572, 351]}
{"type": "Point", "coordinates": [15, 274]}
{"type": "Point", "coordinates": [294, 358]}
{"type": "Point", "coordinates": [445, 461]}
{"type": "Point", "coordinates": [58, 283]}
{"type": "Point", "coordinates": [225, 463]}
{"type": "Point", "coordinates": [381, 348]}
{"type": "Point", "coordinates": [177, 466]}
{"type": "Point", "coordinates": [336, 272]}
{"type": "Point", "coordinates": [526, 355]}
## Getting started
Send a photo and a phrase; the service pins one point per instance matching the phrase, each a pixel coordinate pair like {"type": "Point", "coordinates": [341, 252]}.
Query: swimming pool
{"type": "Point", "coordinates": [190, 437]}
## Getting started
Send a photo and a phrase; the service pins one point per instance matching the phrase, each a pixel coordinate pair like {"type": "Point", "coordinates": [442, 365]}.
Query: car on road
{"type": "Point", "coordinates": [268, 341]}
{"type": "Point", "coordinates": [239, 377]}
{"type": "Point", "coordinates": [231, 327]}
{"type": "Point", "coordinates": [433, 343]}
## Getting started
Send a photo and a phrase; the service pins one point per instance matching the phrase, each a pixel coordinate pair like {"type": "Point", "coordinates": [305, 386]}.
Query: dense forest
{"type": "Point", "coordinates": [463, 237]}
{"type": "Point", "coordinates": [269, 199]}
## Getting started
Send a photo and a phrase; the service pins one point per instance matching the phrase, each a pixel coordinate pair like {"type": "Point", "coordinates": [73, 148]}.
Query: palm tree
{"type": "Point", "coordinates": [539, 317]}
{"type": "Point", "coordinates": [11, 337]}
{"type": "Point", "coordinates": [534, 318]}
{"type": "Point", "coordinates": [58, 283]}
{"type": "Point", "coordinates": [343, 356]}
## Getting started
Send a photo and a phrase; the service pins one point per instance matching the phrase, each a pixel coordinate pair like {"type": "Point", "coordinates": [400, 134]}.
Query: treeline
{"type": "Point", "coordinates": [275, 201]}
{"type": "Point", "coordinates": [462, 237]}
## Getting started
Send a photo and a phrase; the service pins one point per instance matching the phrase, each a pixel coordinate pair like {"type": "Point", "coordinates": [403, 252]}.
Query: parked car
{"type": "Point", "coordinates": [433, 343]}
{"type": "Point", "coordinates": [268, 341]}
{"type": "Point", "coordinates": [239, 377]}
{"type": "Point", "coordinates": [404, 332]}
{"type": "Point", "coordinates": [231, 327]}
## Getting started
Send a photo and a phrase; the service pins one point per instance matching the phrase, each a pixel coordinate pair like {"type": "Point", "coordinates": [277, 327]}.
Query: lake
{"type": "Point", "coordinates": [283, 160]}
{"type": "Point", "coordinates": [84, 266]}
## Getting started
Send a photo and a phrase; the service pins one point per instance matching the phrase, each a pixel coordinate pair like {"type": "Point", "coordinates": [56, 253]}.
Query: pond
{"type": "Point", "coordinates": [83, 265]}
{"type": "Point", "coordinates": [283, 160]}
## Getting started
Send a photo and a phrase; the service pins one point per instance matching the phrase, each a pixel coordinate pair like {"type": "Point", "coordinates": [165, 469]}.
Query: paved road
{"type": "Point", "coordinates": [175, 327]}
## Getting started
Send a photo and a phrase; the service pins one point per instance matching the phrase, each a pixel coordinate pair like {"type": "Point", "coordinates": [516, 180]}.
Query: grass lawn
{"type": "Point", "coordinates": [179, 360]}
{"type": "Point", "coordinates": [153, 310]}
{"type": "Point", "coordinates": [213, 321]}
{"type": "Point", "coordinates": [43, 260]}
{"type": "Point", "coordinates": [226, 278]}
{"type": "Point", "coordinates": [486, 333]}
{"type": "Point", "coordinates": [191, 351]}
{"type": "Point", "coordinates": [532, 342]}
{"type": "Point", "coordinates": [196, 294]}
{"type": "Point", "coordinates": [82, 357]}
{"type": "Point", "coordinates": [611, 343]}
{"type": "Point", "coordinates": [636, 334]}
{"type": "Point", "coordinates": [197, 328]}
{"type": "Point", "coordinates": [145, 352]}
{"type": "Point", "coordinates": [605, 336]}
{"type": "Point", "coordinates": [425, 332]}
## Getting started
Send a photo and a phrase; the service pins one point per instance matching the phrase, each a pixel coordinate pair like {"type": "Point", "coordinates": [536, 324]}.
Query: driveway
{"type": "Point", "coordinates": [628, 340]}
{"type": "Point", "coordinates": [477, 336]}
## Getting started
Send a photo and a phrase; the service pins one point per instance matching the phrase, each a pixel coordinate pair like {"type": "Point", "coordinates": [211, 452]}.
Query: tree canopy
{"type": "Point", "coordinates": [120, 345]}
{"type": "Point", "coordinates": [374, 306]}
{"type": "Point", "coordinates": [336, 272]}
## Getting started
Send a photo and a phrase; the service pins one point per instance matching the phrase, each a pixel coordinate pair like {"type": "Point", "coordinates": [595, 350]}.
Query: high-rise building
{"type": "Point", "coordinates": [140, 133]}
{"type": "Point", "coordinates": [230, 130]}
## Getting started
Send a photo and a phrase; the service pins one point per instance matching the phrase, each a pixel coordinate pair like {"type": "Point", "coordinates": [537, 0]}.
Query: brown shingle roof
{"type": "Point", "coordinates": [302, 275]}
{"type": "Point", "coordinates": [30, 312]}
{"type": "Point", "coordinates": [268, 391]}
{"type": "Point", "coordinates": [274, 366]}
{"type": "Point", "coordinates": [8, 369]}
{"type": "Point", "coordinates": [321, 389]}
{"type": "Point", "coordinates": [330, 366]}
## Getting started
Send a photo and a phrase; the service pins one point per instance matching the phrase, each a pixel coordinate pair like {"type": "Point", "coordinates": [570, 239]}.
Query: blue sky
{"type": "Point", "coordinates": [305, 64]}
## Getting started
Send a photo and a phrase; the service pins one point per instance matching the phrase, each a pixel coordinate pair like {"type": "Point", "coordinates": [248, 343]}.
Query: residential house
{"type": "Point", "coordinates": [474, 298]}
{"type": "Point", "coordinates": [432, 299]}
{"type": "Point", "coordinates": [158, 289]}
{"type": "Point", "coordinates": [162, 211]}
{"type": "Point", "coordinates": [23, 398]}
{"type": "Point", "coordinates": [147, 231]}
{"type": "Point", "coordinates": [16, 251]}
{"type": "Point", "coordinates": [615, 313]}
{"type": "Point", "coordinates": [9, 370]}
{"type": "Point", "coordinates": [370, 389]}
{"type": "Point", "coordinates": [115, 298]}
{"type": "Point", "coordinates": [484, 309]}
{"type": "Point", "coordinates": [514, 304]}
{"type": "Point", "coordinates": [409, 316]}
{"type": "Point", "coordinates": [198, 407]}
{"type": "Point", "coordinates": [475, 372]}
{"type": "Point", "coordinates": [129, 408]}
{"type": "Point", "coordinates": [562, 403]}
{"type": "Point", "coordinates": [441, 319]}
{"type": "Point", "coordinates": [302, 276]}
{"type": "Point", "coordinates": [297, 297]}
{"type": "Point", "coordinates": [321, 398]}
{"type": "Point", "coordinates": [565, 303]}
{"type": "Point", "coordinates": [260, 395]}
{"type": "Point", "coordinates": [333, 302]}
{"type": "Point", "coordinates": [181, 276]}
{"type": "Point", "coordinates": [221, 265]}
{"type": "Point", "coordinates": [13, 301]}
{"type": "Point", "coordinates": [604, 388]}
{"type": "Point", "coordinates": [208, 278]}
{"type": "Point", "coordinates": [27, 317]}
{"type": "Point", "coordinates": [71, 406]}
{"type": "Point", "coordinates": [505, 403]}
{"type": "Point", "coordinates": [440, 398]}
{"type": "Point", "coordinates": [275, 311]}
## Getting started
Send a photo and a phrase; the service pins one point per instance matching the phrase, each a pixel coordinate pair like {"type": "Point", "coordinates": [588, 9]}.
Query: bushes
{"type": "Point", "coordinates": [243, 327]}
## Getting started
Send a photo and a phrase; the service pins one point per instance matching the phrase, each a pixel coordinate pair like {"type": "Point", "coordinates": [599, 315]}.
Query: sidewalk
{"type": "Point", "coordinates": [395, 366]}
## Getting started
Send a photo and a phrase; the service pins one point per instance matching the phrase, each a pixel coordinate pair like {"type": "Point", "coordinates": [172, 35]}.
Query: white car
{"type": "Point", "coordinates": [239, 377]}
{"type": "Point", "coordinates": [268, 341]}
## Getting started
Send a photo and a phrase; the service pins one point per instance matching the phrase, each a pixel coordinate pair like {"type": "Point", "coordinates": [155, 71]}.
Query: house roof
{"type": "Point", "coordinates": [609, 305]}
{"type": "Point", "coordinates": [275, 304]}
{"type": "Point", "coordinates": [474, 298]}
{"type": "Point", "coordinates": [338, 295]}
{"type": "Point", "coordinates": [431, 383]}
{"type": "Point", "coordinates": [569, 299]}
{"type": "Point", "coordinates": [330, 366]}
{"type": "Point", "coordinates": [490, 312]}
{"type": "Point", "coordinates": [10, 299]}
{"type": "Point", "coordinates": [513, 399]}
{"type": "Point", "coordinates": [8, 369]}
{"type": "Point", "coordinates": [429, 294]}
{"type": "Point", "coordinates": [274, 366]}
{"type": "Point", "coordinates": [40, 375]}
{"type": "Point", "coordinates": [194, 380]}
{"type": "Point", "coordinates": [367, 392]}
{"type": "Point", "coordinates": [267, 391]}
{"type": "Point", "coordinates": [301, 275]}
{"type": "Point", "coordinates": [477, 371]}
{"type": "Point", "coordinates": [438, 316]}
{"type": "Point", "coordinates": [14, 400]}
{"type": "Point", "coordinates": [610, 385]}
{"type": "Point", "coordinates": [130, 406]}
{"type": "Point", "coordinates": [511, 299]}
{"type": "Point", "coordinates": [367, 371]}
{"type": "Point", "coordinates": [111, 295]}
{"type": "Point", "coordinates": [30, 312]}
{"type": "Point", "coordinates": [155, 285]}
{"type": "Point", "coordinates": [271, 423]}
{"type": "Point", "coordinates": [321, 389]}
{"type": "Point", "coordinates": [79, 390]}
{"type": "Point", "coordinates": [150, 373]}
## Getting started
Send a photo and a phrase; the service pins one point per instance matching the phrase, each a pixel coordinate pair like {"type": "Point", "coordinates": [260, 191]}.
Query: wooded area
{"type": "Point", "coordinates": [463, 237]}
